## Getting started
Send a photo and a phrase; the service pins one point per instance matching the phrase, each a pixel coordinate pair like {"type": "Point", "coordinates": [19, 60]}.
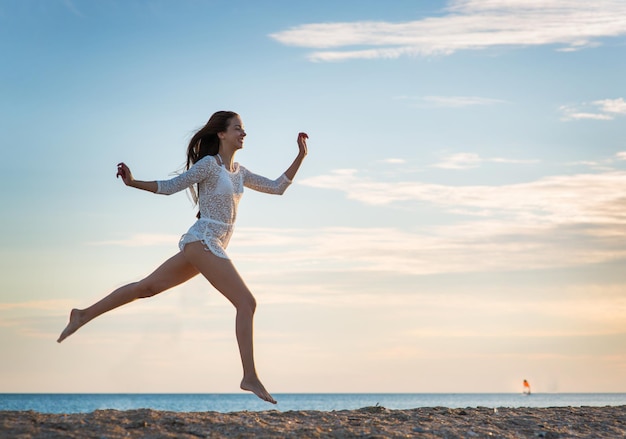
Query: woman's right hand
{"type": "Point", "coordinates": [302, 143]}
{"type": "Point", "coordinates": [124, 172]}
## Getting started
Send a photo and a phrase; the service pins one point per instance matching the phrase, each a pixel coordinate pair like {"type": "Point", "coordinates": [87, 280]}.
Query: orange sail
{"type": "Point", "coordinates": [526, 388]}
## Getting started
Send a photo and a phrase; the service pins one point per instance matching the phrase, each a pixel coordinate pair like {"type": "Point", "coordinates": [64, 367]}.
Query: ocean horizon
{"type": "Point", "coordinates": [227, 402]}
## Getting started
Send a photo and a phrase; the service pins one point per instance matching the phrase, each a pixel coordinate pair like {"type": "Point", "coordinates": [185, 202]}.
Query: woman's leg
{"type": "Point", "coordinates": [172, 272]}
{"type": "Point", "coordinates": [221, 273]}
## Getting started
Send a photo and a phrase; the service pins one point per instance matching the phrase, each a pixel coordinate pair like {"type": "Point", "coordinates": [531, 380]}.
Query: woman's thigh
{"type": "Point", "coordinates": [221, 273]}
{"type": "Point", "coordinates": [172, 272]}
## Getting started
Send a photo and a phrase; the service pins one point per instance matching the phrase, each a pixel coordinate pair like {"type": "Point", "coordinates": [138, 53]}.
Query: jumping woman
{"type": "Point", "coordinates": [216, 182]}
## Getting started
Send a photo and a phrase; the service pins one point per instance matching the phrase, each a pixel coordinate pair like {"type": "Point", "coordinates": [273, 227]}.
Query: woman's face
{"type": "Point", "coordinates": [234, 134]}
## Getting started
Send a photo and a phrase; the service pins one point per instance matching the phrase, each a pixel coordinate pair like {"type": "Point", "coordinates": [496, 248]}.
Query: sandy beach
{"type": "Point", "coordinates": [368, 422]}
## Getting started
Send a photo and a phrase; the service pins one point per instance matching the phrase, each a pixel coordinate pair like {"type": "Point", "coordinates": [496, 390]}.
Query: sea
{"type": "Point", "coordinates": [225, 403]}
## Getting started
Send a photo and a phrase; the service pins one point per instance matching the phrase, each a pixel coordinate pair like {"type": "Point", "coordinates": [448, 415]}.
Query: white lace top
{"type": "Point", "coordinates": [219, 192]}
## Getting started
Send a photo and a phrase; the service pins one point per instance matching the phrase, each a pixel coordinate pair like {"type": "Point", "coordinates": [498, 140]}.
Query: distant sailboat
{"type": "Point", "coordinates": [526, 388]}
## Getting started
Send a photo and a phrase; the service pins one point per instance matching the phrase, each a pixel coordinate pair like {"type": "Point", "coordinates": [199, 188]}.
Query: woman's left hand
{"type": "Point", "coordinates": [124, 172]}
{"type": "Point", "coordinates": [302, 143]}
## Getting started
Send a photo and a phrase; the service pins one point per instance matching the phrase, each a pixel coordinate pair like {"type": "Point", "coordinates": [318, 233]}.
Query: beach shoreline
{"type": "Point", "coordinates": [370, 422]}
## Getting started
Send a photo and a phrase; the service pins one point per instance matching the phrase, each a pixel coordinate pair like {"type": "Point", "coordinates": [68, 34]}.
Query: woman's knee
{"type": "Point", "coordinates": [147, 288]}
{"type": "Point", "coordinates": [247, 305]}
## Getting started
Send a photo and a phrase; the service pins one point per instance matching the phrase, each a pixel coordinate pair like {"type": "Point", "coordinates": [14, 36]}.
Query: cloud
{"type": "Point", "coordinates": [566, 199]}
{"type": "Point", "coordinates": [33, 318]}
{"type": "Point", "coordinates": [463, 160]}
{"type": "Point", "coordinates": [460, 101]}
{"type": "Point", "coordinates": [604, 109]}
{"type": "Point", "coordinates": [604, 165]}
{"type": "Point", "coordinates": [465, 25]}
{"type": "Point", "coordinates": [450, 101]}
{"type": "Point", "coordinates": [36, 305]}
{"type": "Point", "coordinates": [468, 160]}
{"type": "Point", "coordinates": [141, 240]}
{"type": "Point", "coordinates": [556, 221]}
{"type": "Point", "coordinates": [394, 161]}
{"type": "Point", "coordinates": [572, 114]}
{"type": "Point", "coordinates": [617, 106]}
{"type": "Point", "coordinates": [480, 245]}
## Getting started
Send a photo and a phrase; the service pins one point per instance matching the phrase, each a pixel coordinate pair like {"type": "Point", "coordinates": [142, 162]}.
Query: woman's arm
{"type": "Point", "coordinates": [202, 169]}
{"type": "Point", "coordinates": [127, 176]}
{"type": "Point", "coordinates": [290, 173]}
{"type": "Point", "coordinates": [278, 186]}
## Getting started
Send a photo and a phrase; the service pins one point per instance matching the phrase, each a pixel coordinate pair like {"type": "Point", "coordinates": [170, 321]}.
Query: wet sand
{"type": "Point", "coordinates": [369, 422]}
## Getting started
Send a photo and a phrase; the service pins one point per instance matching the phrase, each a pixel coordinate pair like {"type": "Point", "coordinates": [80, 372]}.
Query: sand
{"type": "Point", "coordinates": [369, 422]}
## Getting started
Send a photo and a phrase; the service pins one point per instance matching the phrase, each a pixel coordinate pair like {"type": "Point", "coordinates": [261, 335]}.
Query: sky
{"type": "Point", "coordinates": [459, 224]}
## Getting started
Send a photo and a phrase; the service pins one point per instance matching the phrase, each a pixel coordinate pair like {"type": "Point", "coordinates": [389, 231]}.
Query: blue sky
{"type": "Point", "coordinates": [458, 225]}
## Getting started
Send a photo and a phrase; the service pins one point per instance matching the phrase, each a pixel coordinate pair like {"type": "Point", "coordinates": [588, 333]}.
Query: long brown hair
{"type": "Point", "coordinates": [206, 142]}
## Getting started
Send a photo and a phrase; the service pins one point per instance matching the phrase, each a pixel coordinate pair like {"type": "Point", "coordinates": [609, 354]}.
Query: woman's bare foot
{"type": "Point", "coordinates": [255, 386]}
{"type": "Point", "coordinates": [74, 324]}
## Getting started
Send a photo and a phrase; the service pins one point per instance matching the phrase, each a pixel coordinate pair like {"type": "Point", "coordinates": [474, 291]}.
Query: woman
{"type": "Point", "coordinates": [219, 181]}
